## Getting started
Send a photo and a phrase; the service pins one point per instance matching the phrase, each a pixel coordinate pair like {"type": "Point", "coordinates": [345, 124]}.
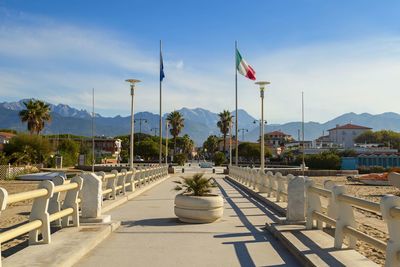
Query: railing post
{"type": "Point", "coordinates": [279, 186]}
{"type": "Point", "coordinates": [263, 186]}
{"type": "Point", "coordinates": [295, 199]}
{"type": "Point", "coordinates": [345, 218]}
{"type": "Point", "coordinates": [253, 177]}
{"type": "Point", "coordinates": [3, 205]}
{"type": "Point", "coordinates": [121, 180]}
{"type": "Point", "coordinates": [71, 201]}
{"type": "Point", "coordinates": [39, 212]}
{"type": "Point", "coordinates": [111, 184]}
{"type": "Point", "coordinates": [313, 203]}
{"type": "Point", "coordinates": [54, 202]}
{"type": "Point", "coordinates": [131, 180]}
{"type": "Point", "coordinates": [270, 183]}
{"type": "Point", "coordinates": [92, 196]}
{"type": "Point", "coordinates": [393, 224]}
{"type": "Point", "coordinates": [332, 205]}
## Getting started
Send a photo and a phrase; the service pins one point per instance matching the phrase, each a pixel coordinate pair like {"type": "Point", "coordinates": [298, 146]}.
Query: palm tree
{"type": "Point", "coordinates": [36, 114]}
{"type": "Point", "coordinates": [224, 123]}
{"type": "Point", "coordinates": [188, 144]}
{"type": "Point", "coordinates": [175, 119]}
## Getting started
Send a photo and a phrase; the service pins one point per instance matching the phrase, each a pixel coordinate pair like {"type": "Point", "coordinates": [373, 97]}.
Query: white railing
{"type": "Point", "coordinates": [339, 212]}
{"type": "Point", "coordinates": [83, 198]}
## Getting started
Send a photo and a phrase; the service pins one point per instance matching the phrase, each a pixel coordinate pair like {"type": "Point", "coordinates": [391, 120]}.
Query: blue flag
{"type": "Point", "coordinates": [161, 68]}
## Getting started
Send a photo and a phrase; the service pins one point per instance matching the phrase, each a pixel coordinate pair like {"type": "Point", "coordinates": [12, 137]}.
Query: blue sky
{"type": "Point", "coordinates": [345, 55]}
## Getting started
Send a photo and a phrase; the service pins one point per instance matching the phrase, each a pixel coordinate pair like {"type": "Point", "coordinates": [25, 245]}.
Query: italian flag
{"type": "Point", "coordinates": [244, 68]}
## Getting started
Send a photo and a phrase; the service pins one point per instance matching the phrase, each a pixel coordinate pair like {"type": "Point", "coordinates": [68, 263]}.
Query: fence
{"type": "Point", "coordinates": [83, 199]}
{"type": "Point", "coordinates": [10, 172]}
{"type": "Point", "coordinates": [339, 212]}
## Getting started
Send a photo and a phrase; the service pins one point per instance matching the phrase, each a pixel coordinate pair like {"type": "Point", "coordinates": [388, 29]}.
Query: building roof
{"type": "Point", "coordinates": [277, 133]}
{"type": "Point", "coordinates": [350, 126]}
{"type": "Point", "coordinates": [7, 134]}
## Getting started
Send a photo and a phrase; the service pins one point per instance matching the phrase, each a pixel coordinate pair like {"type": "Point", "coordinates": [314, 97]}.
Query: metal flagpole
{"type": "Point", "coordinates": [166, 142]}
{"type": "Point", "coordinates": [236, 112]}
{"type": "Point", "coordinates": [93, 158]}
{"type": "Point", "coordinates": [160, 155]}
{"type": "Point", "coordinates": [302, 130]}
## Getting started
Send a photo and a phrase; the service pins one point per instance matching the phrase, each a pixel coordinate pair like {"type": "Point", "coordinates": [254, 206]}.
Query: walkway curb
{"type": "Point", "coordinates": [74, 243]}
{"type": "Point", "coordinates": [281, 211]}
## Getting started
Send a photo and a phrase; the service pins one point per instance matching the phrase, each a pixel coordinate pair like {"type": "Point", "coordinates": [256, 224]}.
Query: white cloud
{"type": "Point", "coordinates": [61, 63]}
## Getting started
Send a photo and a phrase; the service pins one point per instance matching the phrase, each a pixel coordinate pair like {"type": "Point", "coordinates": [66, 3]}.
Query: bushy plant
{"type": "Point", "coordinates": [219, 158]}
{"type": "Point", "coordinates": [197, 185]}
{"type": "Point", "coordinates": [323, 161]}
{"type": "Point", "coordinates": [371, 169]}
{"type": "Point", "coordinates": [180, 159]}
{"type": "Point", "coordinates": [69, 150]}
{"type": "Point", "coordinates": [26, 149]}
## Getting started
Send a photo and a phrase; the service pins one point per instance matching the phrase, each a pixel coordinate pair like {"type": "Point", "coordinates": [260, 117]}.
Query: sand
{"type": "Point", "coordinates": [369, 223]}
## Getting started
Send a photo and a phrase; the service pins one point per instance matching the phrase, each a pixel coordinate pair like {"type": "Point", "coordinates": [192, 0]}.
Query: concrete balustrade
{"type": "Point", "coordinates": [57, 202]}
{"type": "Point", "coordinates": [304, 202]}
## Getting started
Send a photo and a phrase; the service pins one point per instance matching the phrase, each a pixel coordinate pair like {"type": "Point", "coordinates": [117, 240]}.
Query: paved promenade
{"type": "Point", "coordinates": [150, 234]}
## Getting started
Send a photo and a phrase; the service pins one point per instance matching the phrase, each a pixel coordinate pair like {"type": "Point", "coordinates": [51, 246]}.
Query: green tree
{"type": "Point", "coordinates": [252, 151]}
{"type": "Point", "coordinates": [224, 123]}
{"type": "Point", "coordinates": [188, 144]}
{"type": "Point", "coordinates": [176, 121]}
{"type": "Point", "coordinates": [35, 114]}
{"type": "Point", "coordinates": [385, 137]}
{"type": "Point", "coordinates": [69, 150]}
{"type": "Point", "coordinates": [219, 158]}
{"type": "Point", "coordinates": [211, 144]}
{"type": "Point", "coordinates": [149, 148]}
{"type": "Point", "coordinates": [25, 149]}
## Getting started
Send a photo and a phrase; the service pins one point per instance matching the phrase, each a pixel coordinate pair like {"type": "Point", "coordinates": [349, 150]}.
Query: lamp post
{"type": "Point", "coordinates": [166, 141]}
{"type": "Point", "coordinates": [132, 83]}
{"type": "Point", "coordinates": [155, 129]}
{"type": "Point", "coordinates": [262, 85]}
{"type": "Point", "coordinates": [243, 130]}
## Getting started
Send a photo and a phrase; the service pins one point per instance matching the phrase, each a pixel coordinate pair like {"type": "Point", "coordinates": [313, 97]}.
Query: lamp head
{"type": "Point", "coordinates": [262, 84]}
{"type": "Point", "coordinates": [132, 81]}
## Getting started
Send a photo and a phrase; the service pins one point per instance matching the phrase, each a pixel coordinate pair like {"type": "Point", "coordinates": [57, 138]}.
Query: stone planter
{"type": "Point", "coordinates": [195, 209]}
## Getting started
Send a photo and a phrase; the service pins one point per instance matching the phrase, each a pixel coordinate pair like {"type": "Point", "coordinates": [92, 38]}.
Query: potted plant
{"type": "Point", "coordinates": [196, 204]}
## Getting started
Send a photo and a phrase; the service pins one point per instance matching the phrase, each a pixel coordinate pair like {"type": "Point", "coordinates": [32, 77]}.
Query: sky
{"type": "Point", "coordinates": [344, 55]}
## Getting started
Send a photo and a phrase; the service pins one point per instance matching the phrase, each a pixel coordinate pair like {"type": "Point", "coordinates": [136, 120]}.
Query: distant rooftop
{"type": "Point", "coordinates": [279, 133]}
{"type": "Point", "coordinates": [350, 127]}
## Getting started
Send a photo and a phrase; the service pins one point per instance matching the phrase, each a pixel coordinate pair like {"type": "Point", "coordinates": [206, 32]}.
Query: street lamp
{"type": "Point", "coordinates": [262, 85]}
{"type": "Point", "coordinates": [132, 83]}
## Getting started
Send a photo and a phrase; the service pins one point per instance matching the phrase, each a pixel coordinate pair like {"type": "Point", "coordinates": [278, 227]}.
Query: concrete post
{"type": "Point", "coordinates": [296, 199]}
{"type": "Point", "coordinates": [393, 244]}
{"type": "Point", "coordinates": [345, 218]}
{"type": "Point", "coordinates": [91, 196]}
{"type": "Point", "coordinates": [39, 212]}
{"type": "Point", "coordinates": [332, 205]}
{"type": "Point", "coordinates": [71, 201]}
{"type": "Point", "coordinates": [54, 202]}
{"type": "Point", "coordinates": [313, 203]}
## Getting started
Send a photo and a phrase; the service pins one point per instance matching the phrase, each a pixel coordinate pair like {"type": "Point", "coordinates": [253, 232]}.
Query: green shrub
{"type": "Point", "coordinates": [371, 169]}
{"type": "Point", "coordinates": [69, 150]}
{"type": "Point", "coordinates": [219, 158]}
{"type": "Point", "coordinates": [27, 149]}
{"type": "Point", "coordinates": [323, 161]}
{"type": "Point", "coordinates": [180, 159]}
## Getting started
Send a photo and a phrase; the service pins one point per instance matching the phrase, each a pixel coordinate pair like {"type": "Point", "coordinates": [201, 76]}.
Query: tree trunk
{"type": "Point", "coordinates": [174, 145]}
{"type": "Point", "coordinates": [224, 143]}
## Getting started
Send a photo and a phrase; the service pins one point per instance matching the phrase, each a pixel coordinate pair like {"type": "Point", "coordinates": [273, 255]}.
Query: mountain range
{"type": "Point", "coordinates": [199, 123]}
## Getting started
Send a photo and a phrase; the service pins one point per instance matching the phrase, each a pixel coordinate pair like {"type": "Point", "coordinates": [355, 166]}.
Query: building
{"type": "Point", "coordinates": [344, 135]}
{"type": "Point", "coordinates": [277, 139]}
{"type": "Point", "coordinates": [5, 138]}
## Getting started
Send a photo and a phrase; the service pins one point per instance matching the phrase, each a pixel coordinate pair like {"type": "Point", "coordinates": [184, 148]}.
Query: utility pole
{"type": "Point", "coordinates": [155, 129]}
{"type": "Point", "coordinates": [243, 130]}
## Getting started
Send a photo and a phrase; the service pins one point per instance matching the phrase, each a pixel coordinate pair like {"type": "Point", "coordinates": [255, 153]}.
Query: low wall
{"type": "Point", "coordinates": [311, 173]}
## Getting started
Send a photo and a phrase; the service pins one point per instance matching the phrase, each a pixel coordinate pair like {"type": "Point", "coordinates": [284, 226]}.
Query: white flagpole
{"type": "Point", "coordinates": [160, 126]}
{"type": "Point", "coordinates": [236, 113]}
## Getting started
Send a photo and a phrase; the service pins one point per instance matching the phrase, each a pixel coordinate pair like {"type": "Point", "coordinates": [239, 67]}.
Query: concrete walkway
{"type": "Point", "coordinates": [150, 234]}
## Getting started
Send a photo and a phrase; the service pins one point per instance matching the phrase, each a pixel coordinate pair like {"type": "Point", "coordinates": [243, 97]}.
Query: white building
{"type": "Point", "coordinates": [344, 135]}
